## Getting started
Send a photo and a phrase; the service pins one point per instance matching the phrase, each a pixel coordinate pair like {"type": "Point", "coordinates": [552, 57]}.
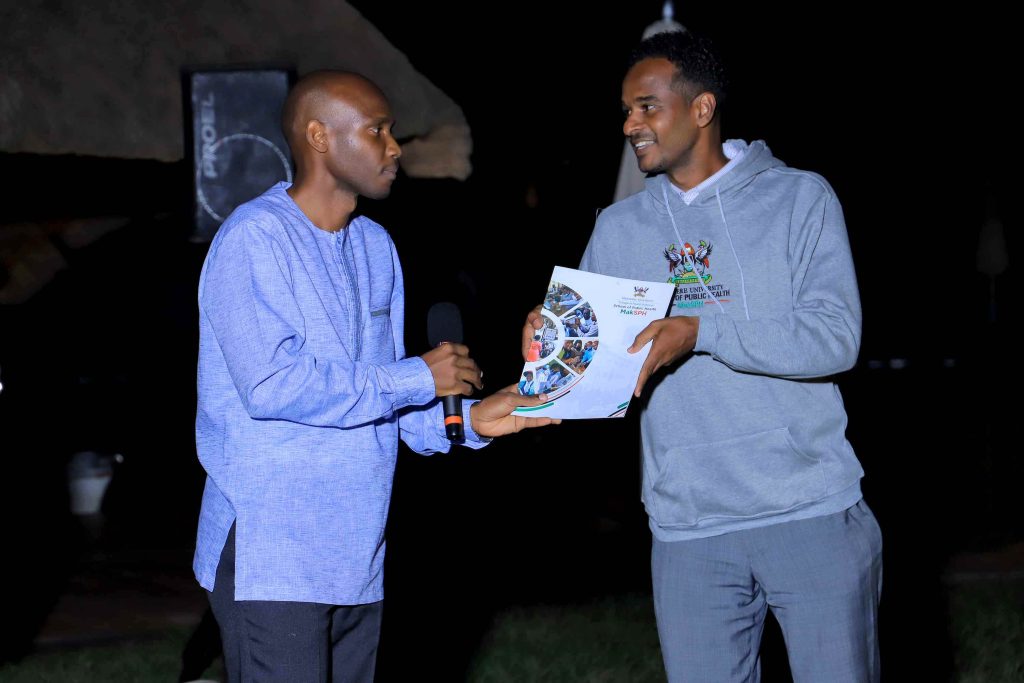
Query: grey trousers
{"type": "Point", "coordinates": [820, 577]}
{"type": "Point", "coordinates": [292, 642]}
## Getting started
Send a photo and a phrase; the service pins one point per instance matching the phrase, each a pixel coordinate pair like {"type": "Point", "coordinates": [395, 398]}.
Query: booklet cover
{"type": "Point", "coordinates": [579, 357]}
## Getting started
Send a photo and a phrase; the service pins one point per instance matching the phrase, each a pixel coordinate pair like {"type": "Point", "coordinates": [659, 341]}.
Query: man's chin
{"type": "Point", "coordinates": [647, 166]}
{"type": "Point", "coordinates": [380, 193]}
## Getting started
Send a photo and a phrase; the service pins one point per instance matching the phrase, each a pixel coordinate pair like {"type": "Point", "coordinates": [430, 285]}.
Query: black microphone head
{"type": "Point", "coordinates": [444, 323]}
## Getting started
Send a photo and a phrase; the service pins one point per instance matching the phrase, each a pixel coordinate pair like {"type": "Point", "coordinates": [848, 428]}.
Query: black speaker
{"type": "Point", "coordinates": [237, 147]}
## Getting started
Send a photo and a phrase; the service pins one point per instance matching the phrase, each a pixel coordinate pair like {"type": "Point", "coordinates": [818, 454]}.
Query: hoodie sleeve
{"type": "Point", "coordinates": [589, 261]}
{"type": "Point", "coordinates": [821, 336]}
{"type": "Point", "coordinates": [246, 296]}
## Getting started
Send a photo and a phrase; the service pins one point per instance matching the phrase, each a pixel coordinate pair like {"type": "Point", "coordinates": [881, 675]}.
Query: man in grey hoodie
{"type": "Point", "coordinates": [752, 490]}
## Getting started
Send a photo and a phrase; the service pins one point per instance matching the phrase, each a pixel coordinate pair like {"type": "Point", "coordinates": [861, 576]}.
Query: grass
{"type": "Point", "coordinates": [987, 628]}
{"type": "Point", "coordinates": [136, 661]}
{"type": "Point", "coordinates": [610, 640]}
{"type": "Point", "coordinates": [614, 639]}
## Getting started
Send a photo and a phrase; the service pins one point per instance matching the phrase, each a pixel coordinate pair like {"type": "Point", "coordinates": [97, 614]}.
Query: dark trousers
{"type": "Point", "coordinates": [292, 642]}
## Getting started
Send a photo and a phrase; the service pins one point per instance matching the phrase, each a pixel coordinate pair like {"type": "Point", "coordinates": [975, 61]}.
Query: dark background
{"type": "Point", "coordinates": [909, 118]}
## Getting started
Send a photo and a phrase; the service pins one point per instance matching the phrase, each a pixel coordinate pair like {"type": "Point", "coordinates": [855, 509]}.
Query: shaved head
{"type": "Point", "coordinates": [323, 96]}
{"type": "Point", "coordinates": [338, 126]}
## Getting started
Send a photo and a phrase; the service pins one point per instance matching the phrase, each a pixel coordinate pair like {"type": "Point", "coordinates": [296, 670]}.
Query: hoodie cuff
{"type": "Point", "coordinates": [412, 383]}
{"type": "Point", "coordinates": [707, 335]}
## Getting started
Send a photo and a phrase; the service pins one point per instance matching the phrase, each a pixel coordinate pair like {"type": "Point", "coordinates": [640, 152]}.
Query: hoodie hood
{"type": "Point", "coordinates": [757, 158]}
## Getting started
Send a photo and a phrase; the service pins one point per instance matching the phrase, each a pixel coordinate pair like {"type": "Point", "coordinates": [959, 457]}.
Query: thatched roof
{"type": "Point", "coordinates": [102, 77]}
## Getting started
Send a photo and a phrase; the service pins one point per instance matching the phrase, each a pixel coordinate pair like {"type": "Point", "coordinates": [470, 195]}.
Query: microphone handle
{"type": "Point", "coordinates": [453, 418]}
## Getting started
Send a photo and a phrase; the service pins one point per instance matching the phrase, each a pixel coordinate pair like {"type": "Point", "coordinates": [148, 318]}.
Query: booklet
{"type": "Point", "coordinates": [579, 357]}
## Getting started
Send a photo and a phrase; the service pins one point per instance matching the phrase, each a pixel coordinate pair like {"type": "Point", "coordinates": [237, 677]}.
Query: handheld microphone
{"type": "Point", "coordinates": [444, 324]}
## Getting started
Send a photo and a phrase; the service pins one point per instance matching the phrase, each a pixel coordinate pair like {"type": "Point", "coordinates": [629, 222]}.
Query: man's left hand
{"type": "Point", "coordinates": [673, 339]}
{"type": "Point", "coordinates": [493, 415]}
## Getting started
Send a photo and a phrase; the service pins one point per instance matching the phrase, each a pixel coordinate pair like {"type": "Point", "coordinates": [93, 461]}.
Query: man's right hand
{"type": "Point", "coordinates": [453, 370]}
{"type": "Point", "coordinates": [534, 321]}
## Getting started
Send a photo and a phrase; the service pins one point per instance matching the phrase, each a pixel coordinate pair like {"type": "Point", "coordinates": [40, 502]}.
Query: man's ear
{"type": "Point", "coordinates": [706, 105]}
{"type": "Point", "coordinates": [316, 135]}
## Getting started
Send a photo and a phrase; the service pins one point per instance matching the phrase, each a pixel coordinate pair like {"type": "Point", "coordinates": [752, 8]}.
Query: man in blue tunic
{"type": "Point", "coordinates": [304, 391]}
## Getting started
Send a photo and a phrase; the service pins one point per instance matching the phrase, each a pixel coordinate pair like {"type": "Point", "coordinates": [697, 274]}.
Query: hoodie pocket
{"type": "Point", "coordinates": [751, 476]}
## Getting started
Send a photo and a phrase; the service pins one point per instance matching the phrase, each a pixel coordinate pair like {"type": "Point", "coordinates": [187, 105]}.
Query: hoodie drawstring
{"type": "Point", "coordinates": [689, 259]}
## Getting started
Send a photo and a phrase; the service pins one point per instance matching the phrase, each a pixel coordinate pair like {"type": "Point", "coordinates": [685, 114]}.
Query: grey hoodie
{"type": "Point", "coordinates": [749, 430]}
